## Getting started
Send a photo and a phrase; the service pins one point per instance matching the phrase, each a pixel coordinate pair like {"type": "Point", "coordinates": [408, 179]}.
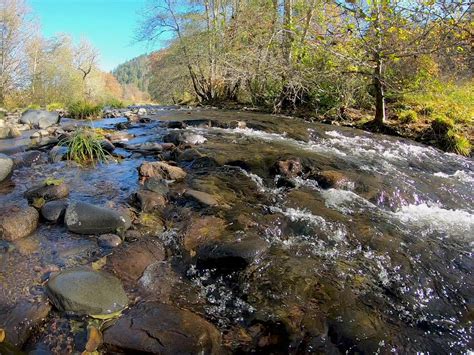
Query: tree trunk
{"type": "Point", "coordinates": [379, 92]}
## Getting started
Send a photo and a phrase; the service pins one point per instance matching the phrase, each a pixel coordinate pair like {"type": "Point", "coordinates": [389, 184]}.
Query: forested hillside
{"type": "Point", "coordinates": [135, 71]}
{"type": "Point", "coordinates": [375, 61]}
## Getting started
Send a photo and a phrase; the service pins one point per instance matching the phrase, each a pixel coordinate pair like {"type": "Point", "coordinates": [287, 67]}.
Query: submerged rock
{"type": "Point", "coordinates": [331, 179]}
{"type": "Point", "coordinates": [84, 291]}
{"type": "Point", "coordinates": [27, 159]}
{"type": "Point", "coordinates": [53, 211]}
{"type": "Point", "coordinates": [40, 118]}
{"type": "Point", "coordinates": [130, 261]}
{"type": "Point", "coordinates": [20, 321]}
{"type": "Point", "coordinates": [18, 223]}
{"type": "Point", "coordinates": [202, 230]}
{"type": "Point", "coordinates": [162, 329]}
{"type": "Point", "coordinates": [162, 170]}
{"type": "Point", "coordinates": [157, 185]}
{"type": "Point", "coordinates": [58, 153]}
{"type": "Point", "coordinates": [235, 255]}
{"type": "Point", "coordinates": [47, 192]}
{"type": "Point", "coordinates": [149, 200]}
{"type": "Point", "coordinates": [109, 241]}
{"type": "Point", "coordinates": [289, 168]}
{"type": "Point", "coordinates": [201, 197]}
{"type": "Point", "coordinates": [6, 166]}
{"type": "Point", "coordinates": [84, 218]}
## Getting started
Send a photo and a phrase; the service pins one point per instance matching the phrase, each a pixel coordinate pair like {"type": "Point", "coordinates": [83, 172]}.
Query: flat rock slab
{"type": "Point", "coordinates": [162, 329]}
{"type": "Point", "coordinates": [16, 223]}
{"type": "Point", "coordinates": [84, 218]}
{"type": "Point", "coordinates": [85, 291]}
{"type": "Point", "coordinates": [40, 118]}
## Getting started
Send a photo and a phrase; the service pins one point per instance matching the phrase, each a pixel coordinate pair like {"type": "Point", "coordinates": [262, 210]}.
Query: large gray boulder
{"type": "Point", "coordinates": [85, 291]}
{"type": "Point", "coordinates": [6, 166]}
{"type": "Point", "coordinates": [84, 218]}
{"type": "Point", "coordinates": [40, 118]}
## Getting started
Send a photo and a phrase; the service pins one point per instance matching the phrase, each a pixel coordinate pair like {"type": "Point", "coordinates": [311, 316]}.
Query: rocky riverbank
{"type": "Point", "coordinates": [220, 232]}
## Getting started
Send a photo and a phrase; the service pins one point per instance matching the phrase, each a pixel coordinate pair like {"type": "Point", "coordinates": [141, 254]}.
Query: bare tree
{"type": "Point", "coordinates": [86, 59]}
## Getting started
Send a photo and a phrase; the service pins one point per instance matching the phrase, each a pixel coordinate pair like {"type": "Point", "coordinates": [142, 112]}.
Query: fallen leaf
{"type": "Point", "coordinates": [53, 181]}
{"type": "Point", "coordinates": [107, 316]}
{"type": "Point", "coordinates": [99, 264]}
{"type": "Point", "coordinates": [2, 335]}
{"type": "Point", "coordinates": [38, 202]}
{"type": "Point", "coordinates": [94, 339]}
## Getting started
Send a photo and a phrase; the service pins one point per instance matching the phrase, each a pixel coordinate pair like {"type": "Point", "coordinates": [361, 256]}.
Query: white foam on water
{"type": "Point", "coordinates": [459, 175]}
{"type": "Point", "coordinates": [437, 219]}
{"type": "Point", "coordinates": [335, 232]}
{"type": "Point", "coordinates": [345, 201]}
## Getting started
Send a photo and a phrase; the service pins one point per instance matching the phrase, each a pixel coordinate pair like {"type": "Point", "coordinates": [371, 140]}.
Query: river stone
{"type": "Point", "coordinates": [27, 159]}
{"type": "Point", "coordinates": [47, 192]}
{"type": "Point", "coordinates": [17, 223]}
{"type": "Point", "coordinates": [20, 321]}
{"type": "Point", "coordinates": [149, 200]}
{"type": "Point", "coordinates": [58, 153]}
{"type": "Point", "coordinates": [6, 166]}
{"type": "Point", "coordinates": [162, 170]}
{"type": "Point", "coordinates": [289, 168]}
{"type": "Point", "coordinates": [201, 197]}
{"type": "Point", "coordinates": [109, 240]}
{"type": "Point", "coordinates": [203, 229]}
{"type": "Point", "coordinates": [157, 185]}
{"type": "Point", "coordinates": [129, 261]}
{"type": "Point", "coordinates": [40, 118]}
{"type": "Point", "coordinates": [53, 211]}
{"type": "Point", "coordinates": [331, 179]}
{"type": "Point", "coordinates": [158, 328]}
{"type": "Point", "coordinates": [85, 218]}
{"type": "Point", "coordinates": [85, 291]}
{"type": "Point", "coordinates": [235, 255]}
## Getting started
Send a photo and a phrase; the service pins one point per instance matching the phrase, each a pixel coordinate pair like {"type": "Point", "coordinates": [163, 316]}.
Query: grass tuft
{"type": "Point", "coordinates": [85, 147]}
{"type": "Point", "coordinates": [408, 116]}
{"type": "Point", "coordinates": [84, 110]}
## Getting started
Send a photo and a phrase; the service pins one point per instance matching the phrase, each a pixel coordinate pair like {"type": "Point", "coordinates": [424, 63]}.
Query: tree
{"type": "Point", "coordinates": [86, 60]}
{"type": "Point", "coordinates": [388, 31]}
{"type": "Point", "coordinates": [15, 30]}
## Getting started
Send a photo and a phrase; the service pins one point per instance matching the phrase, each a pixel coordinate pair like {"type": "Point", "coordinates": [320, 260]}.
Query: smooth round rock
{"type": "Point", "coordinates": [84, 218]}
{"type": "Point", "coordinates": [85, 291]}
{"type": "Point", "coordinates": [53, 211]}
{"type": "Point", "coordinates": [109, 241]}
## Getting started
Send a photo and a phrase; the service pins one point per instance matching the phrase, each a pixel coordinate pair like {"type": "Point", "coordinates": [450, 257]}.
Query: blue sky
{"type": "Point", "coordinates": [109, 24]}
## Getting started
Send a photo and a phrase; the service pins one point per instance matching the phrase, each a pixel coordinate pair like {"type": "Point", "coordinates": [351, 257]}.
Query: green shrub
{"type": "Point", "coordinates": [54, 106]}
{"type": "Point", "coordinates": [114, 104]}
{"type": "Point", "coordinates": [408, 116]}
{"type": "Point", "coordinates": [426, 110]}
{"type": "Point", "coordinates": [455, 142]}
{"type": "Point", "coordinates": [85, 147]}
{"type": "Point", "coordinates": [83, 110]}
{"type": "Point", "coordinates": [32, 107]}
{"type": "Point", "coordinates": [441, 124]}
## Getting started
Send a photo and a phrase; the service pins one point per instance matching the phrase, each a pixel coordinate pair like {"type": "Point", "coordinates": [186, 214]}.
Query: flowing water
{"type": "Point", "coordinates": [383, 263]}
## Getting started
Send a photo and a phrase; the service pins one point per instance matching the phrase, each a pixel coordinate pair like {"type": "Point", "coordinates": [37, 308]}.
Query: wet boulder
{"type": "Point", "coordinates": [162, 170]}
{"type": "Point", "coordinates": [85, 218]}
{"type": "Point", "coordinates": [331, 179]}
{"type": "Point", "coordinates": [180, 137]}
{"type": "Point", "coordinates": [58, 153]}
{"type": "Point", "coordinates": [39, 118]}
{"type": "Point", "coordinates": [230, 255]}
{"type": "Point", "coordinates": [148, 201]}
{"type": "Point", "coordinates": [201, 197]}
{"type": "Point", "coordinates": [107, 145]}
{"type": "Point", "coordinates": [20, 321]}
{"type": "Point", "coordinates": [201, 230]}
{"type": "Point", "coordinates": [129, 261]}
{"type": "Point", "coordinates": [53, 211]}
{"type": "Point", "coordinates": [85, 291]}
{"type": "Point", "coordinates": [16, 223]}
{"type": "Point", "coordinates": [158, 328]}
{"type": "Point", "coordinates": [109, 240]}
{"type": "Point", "coordinates": [27, 159]}
{"type": "Point", "coordinates": [289, 168]}
{"type": "Point", "coordinates": [47, 191]}
{"type": "Point", "coordinates": [6, 166]}
{"type": "Point", "coordinates": [157, 185]}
